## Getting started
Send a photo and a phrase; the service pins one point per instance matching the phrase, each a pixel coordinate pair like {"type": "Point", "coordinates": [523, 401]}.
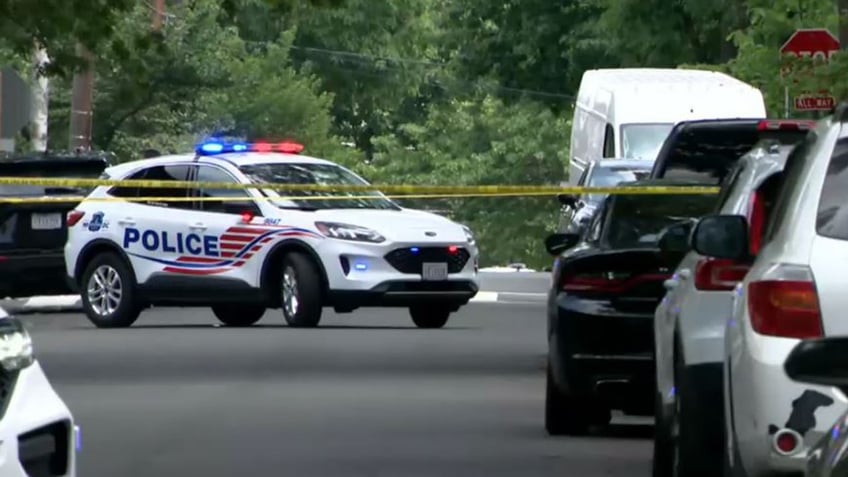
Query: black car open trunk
{"type": "Point", "coordinates": [705, 151]}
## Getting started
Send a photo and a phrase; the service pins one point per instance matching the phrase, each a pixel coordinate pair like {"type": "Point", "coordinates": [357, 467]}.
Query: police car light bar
{"type": "Point", "coordinates": [212, 148]}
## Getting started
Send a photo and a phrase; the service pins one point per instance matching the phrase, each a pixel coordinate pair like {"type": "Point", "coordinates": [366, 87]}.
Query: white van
{"type": "Point", "coordinates": [627, 113]}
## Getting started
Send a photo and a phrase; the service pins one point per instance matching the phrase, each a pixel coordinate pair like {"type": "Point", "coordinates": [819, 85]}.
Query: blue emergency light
{"type": "Point", "coordinates": [216, 147]}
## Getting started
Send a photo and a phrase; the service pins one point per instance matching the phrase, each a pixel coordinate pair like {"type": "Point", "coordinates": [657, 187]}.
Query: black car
{"type": "Point", "coordinates": [824, 362]}
{"type": "Point", "coordinates": [33, 235]}
{"type": "Point", "coordinates": [577, 210]}
{"type": "Point", "coordinates": [607, 284]}
{"type": "Point", "coordinates": [707, 150]}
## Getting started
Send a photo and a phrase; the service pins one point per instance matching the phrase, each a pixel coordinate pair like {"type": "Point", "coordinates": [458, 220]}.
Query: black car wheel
{"type": "Point", "coordinates": [429, 316]}
{"type": "Point", "coordinates": [238, 315]}
{"type": "Point", "coordinates": [565, 415]}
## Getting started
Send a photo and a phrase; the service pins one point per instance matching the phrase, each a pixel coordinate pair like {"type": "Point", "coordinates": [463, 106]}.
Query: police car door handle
{"type": "Point", "coordinates": [197, 226]}
{"type": "Point", "coordinates": [126, 221]}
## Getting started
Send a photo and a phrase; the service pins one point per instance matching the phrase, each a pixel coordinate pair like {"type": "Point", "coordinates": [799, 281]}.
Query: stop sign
{"type": "Point", "coordinates": [818, 43]}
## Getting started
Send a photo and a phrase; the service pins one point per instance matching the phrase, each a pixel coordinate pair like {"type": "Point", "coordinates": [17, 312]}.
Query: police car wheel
{"type": "Point", "coordinates": [108, 292]}
{"type": "Point", "coordinates": [238, 315]}
{"type": "Point", "coordinates": [300, 289]}
{"type": "Point", "coordinates": [429, 316]}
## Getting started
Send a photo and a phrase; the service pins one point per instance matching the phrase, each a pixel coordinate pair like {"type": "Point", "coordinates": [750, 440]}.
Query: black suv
{"type": "Point", "coordinates": [33, 235]}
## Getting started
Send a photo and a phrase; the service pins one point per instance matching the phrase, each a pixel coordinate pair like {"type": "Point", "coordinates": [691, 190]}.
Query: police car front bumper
{"type": "Point", "coordinates": [403, 293]}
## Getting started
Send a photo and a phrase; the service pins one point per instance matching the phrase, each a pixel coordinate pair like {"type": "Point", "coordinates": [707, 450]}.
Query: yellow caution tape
{"type": "Point", "coordinates": [407, 191]}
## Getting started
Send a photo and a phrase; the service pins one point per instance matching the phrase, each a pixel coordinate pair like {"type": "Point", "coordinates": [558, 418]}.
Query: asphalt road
{"type": "Point", "coordinates": [365, 395]}
{"type": "Point", "coordinates": [516, 282]}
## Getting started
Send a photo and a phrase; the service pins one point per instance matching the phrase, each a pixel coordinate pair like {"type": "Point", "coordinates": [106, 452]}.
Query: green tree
{"type": "Point", "coordinates": [484, 141]}
{"type": "Point", "coordinates": [197, 79]}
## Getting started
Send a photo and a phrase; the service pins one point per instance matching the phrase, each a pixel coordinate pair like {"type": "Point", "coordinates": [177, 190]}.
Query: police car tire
{"type": "Point", "coordinates": [238, 315]}
{"type": "Point", "coordinates": [429, 316]}
{"type": "Point", "coordinates": [310, 302]}
{"type": "Point", "coordinates": [128, 310]}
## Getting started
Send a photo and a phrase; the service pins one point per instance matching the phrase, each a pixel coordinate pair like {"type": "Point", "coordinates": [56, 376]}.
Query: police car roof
{"type": "Point", "coordinates": [234, 159]}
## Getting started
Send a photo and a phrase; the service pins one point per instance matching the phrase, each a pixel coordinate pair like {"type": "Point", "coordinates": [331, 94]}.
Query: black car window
{"type": "Point", "coordinates": [611, 176]}
{"type": "Point", "coordinates": [637, 221]}
{"type": "Point", "coordinates": [593, 231]}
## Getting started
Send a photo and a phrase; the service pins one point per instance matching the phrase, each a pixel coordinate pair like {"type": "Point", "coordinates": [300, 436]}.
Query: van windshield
{"type": "Point", "coordinates": [643, 141]}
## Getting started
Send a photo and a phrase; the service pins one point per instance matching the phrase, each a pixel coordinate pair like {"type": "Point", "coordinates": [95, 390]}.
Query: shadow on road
{"type": "Point", "coordinates": [625, 431]}
{"type": "Point", "coordinates": [215, 326]}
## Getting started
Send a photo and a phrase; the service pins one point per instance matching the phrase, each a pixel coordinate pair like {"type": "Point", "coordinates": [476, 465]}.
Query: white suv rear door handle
{"type": "Point", "coordinates": [197, 226]}
{"type": "Point", "coordinates": [126, 221]}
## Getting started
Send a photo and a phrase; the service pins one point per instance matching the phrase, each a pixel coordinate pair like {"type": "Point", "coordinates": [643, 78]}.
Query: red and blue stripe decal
{"type": "Point", "coordinates": [236, 246]}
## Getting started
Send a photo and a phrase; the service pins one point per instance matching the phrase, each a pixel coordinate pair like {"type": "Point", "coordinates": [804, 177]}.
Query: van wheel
{"type": "Point", "coordinates": [238, 315]}
{"type": "Point", "coordinates": [301, 291]}
{"type": "Point", "coordinates": [108, 292]}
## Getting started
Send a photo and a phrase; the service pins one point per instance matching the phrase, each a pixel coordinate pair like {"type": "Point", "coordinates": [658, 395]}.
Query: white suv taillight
{"type": "Point", "coordinates": [784, 303]}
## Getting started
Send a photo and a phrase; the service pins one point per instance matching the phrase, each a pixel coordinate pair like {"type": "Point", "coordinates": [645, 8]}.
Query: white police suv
{"type": "Point", "coordinates": [242, 251]}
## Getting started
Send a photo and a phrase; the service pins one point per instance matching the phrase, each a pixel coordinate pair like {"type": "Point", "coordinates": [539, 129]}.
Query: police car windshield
{"type": "Point", "coordinates": [316, 174]}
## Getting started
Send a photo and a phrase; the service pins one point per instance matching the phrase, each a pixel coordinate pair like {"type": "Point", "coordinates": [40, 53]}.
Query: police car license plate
{"type": "Point", "coordinates": [434, 271]}
{"type": "Point", "coordinates": [46, 221]}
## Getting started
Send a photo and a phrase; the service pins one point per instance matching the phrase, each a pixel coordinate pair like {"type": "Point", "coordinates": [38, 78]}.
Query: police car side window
{"type": "Point", "coordinates": [128, 191]}
{"type": "Point", "coordinates": [167, 173]}
{"type": "Point", "coordinates": [220, 196]}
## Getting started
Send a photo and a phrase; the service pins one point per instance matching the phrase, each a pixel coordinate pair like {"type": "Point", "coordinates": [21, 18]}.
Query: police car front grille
{"type": "Point", "coordinates": [405, 260]}
{"type": "Point", "coordinates": [7, 387]}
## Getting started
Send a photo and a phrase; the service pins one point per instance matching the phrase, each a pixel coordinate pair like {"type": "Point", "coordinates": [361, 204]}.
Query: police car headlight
{"type": "Point", "coordinates": [349, 232]}
{"type": "Point", "coordinates": [15, 345]}
{"type": "Point", "coordinates": [469, 236]}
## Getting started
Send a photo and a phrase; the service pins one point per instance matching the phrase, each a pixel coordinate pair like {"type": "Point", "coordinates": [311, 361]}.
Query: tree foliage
{"type": "Point", "coordinates": [405, 91]}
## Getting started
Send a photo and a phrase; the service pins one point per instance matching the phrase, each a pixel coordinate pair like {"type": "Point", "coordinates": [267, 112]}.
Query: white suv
{"type": "Point", "coordinates": [37, 431]}
{"type": "Point", "coordinates": [689, 328]}
{"type": "Point", "coordinates": [243, 251]}
{"type": "Point", "coordinates": [794, 290]}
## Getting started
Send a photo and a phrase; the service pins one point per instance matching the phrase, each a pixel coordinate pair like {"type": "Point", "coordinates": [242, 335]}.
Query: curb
{"type": "Point", "coordinates": [42, 304]}
{"type": "Point", "coordinates": [509, 297]}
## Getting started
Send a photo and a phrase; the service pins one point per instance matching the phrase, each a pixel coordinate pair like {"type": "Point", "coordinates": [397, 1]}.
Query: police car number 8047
{"type": "Point", "coordinates": [242, 252]}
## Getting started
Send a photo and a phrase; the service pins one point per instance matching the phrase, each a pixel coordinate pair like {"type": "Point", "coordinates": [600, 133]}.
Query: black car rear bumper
{"type": "Point", "coordinates": [23, 275]}
{"type": "Point", "coordinates": [603, 353]}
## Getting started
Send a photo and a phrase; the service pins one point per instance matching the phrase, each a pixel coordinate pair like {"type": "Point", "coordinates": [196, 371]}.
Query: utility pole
{"type": "Point", "coordinates": [158, 14]}
{"type": "Point", "coordinates": [40, 98]}
{"type": "Point", "coordinates": [81, 102]}
{"type": "Point", "coordinates": [842, 6]}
